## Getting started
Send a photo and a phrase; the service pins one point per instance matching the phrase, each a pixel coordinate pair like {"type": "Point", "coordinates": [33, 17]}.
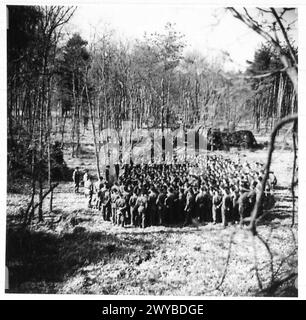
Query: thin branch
{"type": "Point", "coordinates": [257, 76]}
{"type": "Point", "coordinates": [263, 10]}
{"type": "Point", "coordinates": [227, 260]}
{"type": "Point", "coordinates": [41, 200]}
{"type": "Point", "coordinates": [284, 34]}
{"type": "Point", "coordinates": [284, 11]}
{"type": "Point", "coordinates": [255, 263]}
{"type": "Point", "coordinates": [291, 70]}
{"type": "Point", "coordinates": [259, 201]}
{"type": "Point", "coordinates": [271, 257]}
{"type": "Point", "coordinates": [275, 32]}
{"type": "Point", "coordinates": [293, 172]}
{"type": "Point", "coordinates": [291, 254]}
{"type": "Point", "coordinates": [251, 19]}
{"type": "Point", "coordinates": [253, 26]}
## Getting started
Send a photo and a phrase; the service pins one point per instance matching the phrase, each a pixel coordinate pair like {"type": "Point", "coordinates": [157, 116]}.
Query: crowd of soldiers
{"type": "Point", "coordinates": [211, 188]}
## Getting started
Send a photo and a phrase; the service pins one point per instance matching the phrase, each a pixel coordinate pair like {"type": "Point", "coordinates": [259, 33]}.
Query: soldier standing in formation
{"type": "Point", "coordinates": [142, 205]}
{"type": "Point", "coordinates": [226, 208]}
{"type": "Point", "coordinates": [216, 206]}
{"type": "Point", "coordinates": [76, 177]}
{"type": "Point", "coordinates": [209, 189]}
{"type": "Point", "coordinates": [89, 190]}
{"type": "Point", "coordinates": [133, 208]}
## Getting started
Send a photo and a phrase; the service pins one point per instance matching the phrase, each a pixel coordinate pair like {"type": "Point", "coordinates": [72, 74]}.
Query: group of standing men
{"type": "Point", "coordinates": [208, 188]}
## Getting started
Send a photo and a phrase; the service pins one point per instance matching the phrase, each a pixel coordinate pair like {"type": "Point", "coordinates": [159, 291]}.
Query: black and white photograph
{"type": "Point", "coordinates": [152, 149]}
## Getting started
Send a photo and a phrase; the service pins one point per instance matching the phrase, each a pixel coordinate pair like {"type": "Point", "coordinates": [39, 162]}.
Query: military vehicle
{"type": "Point", "coordinates": [223, 140]}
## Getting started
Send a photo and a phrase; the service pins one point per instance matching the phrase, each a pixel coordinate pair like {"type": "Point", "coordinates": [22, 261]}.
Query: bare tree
{"type": "Point", "coordinates": [291, 68]}
{"type": "Point", "coordinates": [289, 61]}
{"type": "Point", "coordinates": [35, 83]}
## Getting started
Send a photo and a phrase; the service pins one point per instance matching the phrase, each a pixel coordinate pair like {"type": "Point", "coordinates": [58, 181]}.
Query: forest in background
{"type": "Point", "coordinates": [60, 87]}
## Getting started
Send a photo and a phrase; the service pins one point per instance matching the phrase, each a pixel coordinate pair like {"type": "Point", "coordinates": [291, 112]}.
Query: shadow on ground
{"type": "Point", "coordinates": [47, 256]}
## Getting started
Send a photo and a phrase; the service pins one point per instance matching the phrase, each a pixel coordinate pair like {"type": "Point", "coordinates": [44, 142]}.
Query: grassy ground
{"type": "Point", "coordinates": [82, 254]}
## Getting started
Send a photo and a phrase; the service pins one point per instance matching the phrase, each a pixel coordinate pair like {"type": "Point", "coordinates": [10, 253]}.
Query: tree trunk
{"type": "Point", "coordinates": [93, 131]}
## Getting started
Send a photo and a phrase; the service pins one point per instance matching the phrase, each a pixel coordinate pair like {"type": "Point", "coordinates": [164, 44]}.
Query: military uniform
{"type": "Point", "coordinates": [226, 209]}
{"type": "Point", "coordinates": [133, 210]}
{"type": "Point", "coordinates": [121, 211]}
{"type": "Point", "coordinates": [169, 203]}
{"type": "Point", "coordinates": [114, 197]}
{"type": "Point", "coordinates": [152, 208]}
{"type": "Point", "coordinates": [142, 203]}
{"type": "Point", "coordinates": [161, 208]}
{"type": "Point", "coordinates": [243, 203]}
{"type": "Point", "coordinates": [189, 208]}
{"type": "Point", "coordinates": [89, 192]}
{"type": "Point", "coordinates": [235, 199]}
{"type": "Point", "coordinates": [203, 206]}
{"type": "Point", "coordinates": [106, 204]}
{"type": "Point", "coordinates": [76, 177]}
{"type": "Point", "coordinates": [216, 206]}
{"type": "Point", "coordinates": [181, 202]}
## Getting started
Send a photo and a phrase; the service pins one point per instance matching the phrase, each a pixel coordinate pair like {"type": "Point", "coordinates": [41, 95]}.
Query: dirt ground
{"type": "Point", "coordinates": [82, 254]}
